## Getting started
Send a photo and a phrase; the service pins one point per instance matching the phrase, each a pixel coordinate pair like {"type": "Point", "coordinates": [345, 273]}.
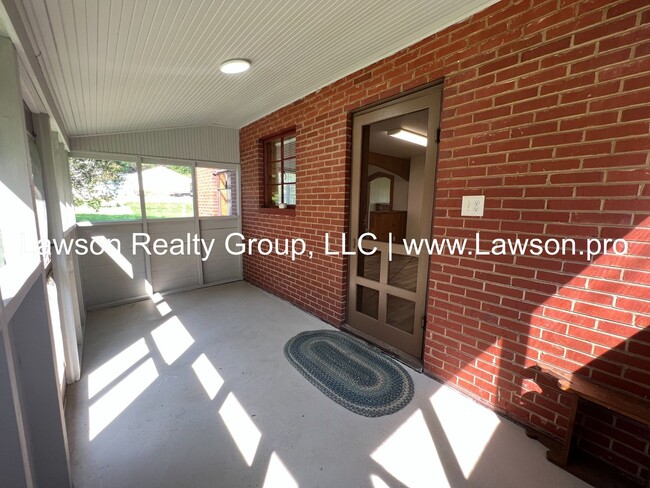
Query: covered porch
{"type": "Point", "coordinates": [192, 389]}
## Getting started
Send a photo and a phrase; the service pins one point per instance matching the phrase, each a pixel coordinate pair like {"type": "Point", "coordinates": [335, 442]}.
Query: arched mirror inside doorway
{"type": "Point", "coordinates": [380, 192]}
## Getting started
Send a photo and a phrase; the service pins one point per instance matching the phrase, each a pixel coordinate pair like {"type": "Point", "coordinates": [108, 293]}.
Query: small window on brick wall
{"type": "Point", "coordinates": [280, 170]}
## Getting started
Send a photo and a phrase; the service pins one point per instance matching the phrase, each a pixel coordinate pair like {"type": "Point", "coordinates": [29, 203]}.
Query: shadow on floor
{"type": "Point", "coordinates": [194, 391]}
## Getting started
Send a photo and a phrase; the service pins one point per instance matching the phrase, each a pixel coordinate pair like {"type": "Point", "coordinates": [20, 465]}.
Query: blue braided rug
{"type": "Point", "coordinates": [349, 372]}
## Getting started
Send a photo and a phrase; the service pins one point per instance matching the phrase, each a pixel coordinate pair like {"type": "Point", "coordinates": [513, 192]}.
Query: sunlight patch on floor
{"type": "Point", "coordinates": [118, 398]}
{"type": "Point", "coordinates": [163, 308]}
{"type": "Point", "coordinates": [242, 429]}
{"type": "Point", "coordinates": [469, 427]}
{"type": "Point", "coordinates": [278, 476]}
{"type": "Point", "coordinates": [377, 482]}
{"type": "Point", "coordinates": [112, 369]}
{"type": "Point", "coordinates": [410, 455]}
{"type": "Point", "coordinates": [172, 339]}
{"type": "Point", "coordinates": [208, 375]}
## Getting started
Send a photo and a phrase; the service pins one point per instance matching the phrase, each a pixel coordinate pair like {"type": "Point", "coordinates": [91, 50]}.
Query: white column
{"type": "Point", "coordinates": [62, 271]}
{"type": "Point", "coordinates": [16, 216]}
{"type": "Point", "coordinates": [33, 437]}
{"type": "Point", "coordinates": [17, 223]}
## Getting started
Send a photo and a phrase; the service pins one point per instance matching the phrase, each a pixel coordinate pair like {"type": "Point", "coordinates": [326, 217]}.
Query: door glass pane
{"type": "Point", "coordinates": [392, 176]}
{"type": "Point", "coordinates": [400, 313]}
{"type": "Point", "coordinates": [369, 266]}
{"type": "Point", "coordinates": [403, 272]}
{"type": "Point", "coordinates": [368, 301]}
{"type": "Point", "coordinates": [216, 190]}
{"type": "Point", "coordinates": [167, 191]}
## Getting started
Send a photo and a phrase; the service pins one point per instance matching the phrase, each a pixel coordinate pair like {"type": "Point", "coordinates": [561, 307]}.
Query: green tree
{"type": "Point", "coordinates": [182, 170]}
{"type": "Point", "coordinates": [95, 181]}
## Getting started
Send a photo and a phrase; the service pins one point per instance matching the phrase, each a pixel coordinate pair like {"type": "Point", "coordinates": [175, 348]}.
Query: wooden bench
{"type": "Point", "coordinates": [579, 387]}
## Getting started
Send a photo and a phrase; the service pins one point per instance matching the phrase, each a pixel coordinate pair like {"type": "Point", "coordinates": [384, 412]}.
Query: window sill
{"type": "Point", "coordinates": [289, 212]}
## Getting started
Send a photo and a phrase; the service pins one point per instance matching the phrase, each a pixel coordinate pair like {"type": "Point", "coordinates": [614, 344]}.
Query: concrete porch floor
{"type": "Point", "coordinates": [194, 391]}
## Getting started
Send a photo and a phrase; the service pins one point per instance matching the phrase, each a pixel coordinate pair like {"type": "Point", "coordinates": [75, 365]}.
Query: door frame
{"type": "Point", "coordinates": [429, 98]}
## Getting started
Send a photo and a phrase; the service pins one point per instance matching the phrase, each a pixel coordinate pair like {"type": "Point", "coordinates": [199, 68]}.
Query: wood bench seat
{"type": "Point", "coordinates": [579, 387]}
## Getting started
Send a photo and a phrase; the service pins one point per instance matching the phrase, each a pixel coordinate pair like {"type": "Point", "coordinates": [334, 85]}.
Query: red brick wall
{"type": "Point", "coordinates": [215, 193]}
{"type": "Point", "coordinates": [546, 113]}
{"type": "Point", "coordinates": [208, 196]}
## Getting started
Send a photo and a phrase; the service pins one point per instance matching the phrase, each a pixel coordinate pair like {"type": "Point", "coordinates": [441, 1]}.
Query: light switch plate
{"type": "Point", "coordinates": [473, 206]}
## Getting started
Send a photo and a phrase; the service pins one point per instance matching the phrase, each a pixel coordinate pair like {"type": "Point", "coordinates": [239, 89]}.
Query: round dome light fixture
{"type": "Point", "coordinates": [235, 66]}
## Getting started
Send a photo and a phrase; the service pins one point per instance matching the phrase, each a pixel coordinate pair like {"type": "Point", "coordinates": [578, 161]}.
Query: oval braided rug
{"type": "Point", "coordinates": [350, 372]}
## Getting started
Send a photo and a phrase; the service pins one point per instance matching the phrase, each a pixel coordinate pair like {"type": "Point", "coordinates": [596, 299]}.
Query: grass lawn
{"type": "Point", "coordinates": [131, 211]}
{"type": "Point", "coordinates": [99, 217]}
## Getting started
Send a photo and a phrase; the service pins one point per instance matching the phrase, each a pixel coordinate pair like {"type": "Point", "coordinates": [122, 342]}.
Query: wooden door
{"type": "Point", "coordinates": [387, 297]}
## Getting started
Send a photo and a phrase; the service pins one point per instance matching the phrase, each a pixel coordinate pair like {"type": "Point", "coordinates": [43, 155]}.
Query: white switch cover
{"type": "Point", "coordinates": [473, 206]}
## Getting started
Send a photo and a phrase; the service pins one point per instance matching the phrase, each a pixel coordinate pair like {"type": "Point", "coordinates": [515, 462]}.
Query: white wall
{"type": "Point", "coordinates": [170, 272]}
{"type": "Point", "coordinates": [203, 143]}
{"type": "Point", "coordinates": [106, 281]}
{"type": "Point", "coordinates": [220, 267]}
{"type": "Point", "coordinates": [416, 179]}
{"type": "Point", "coordinates": [11, 461]}
{"type": "Point", "coordinates": [41, 408]}
{"type": "Point", "coordinates": [17, 224]}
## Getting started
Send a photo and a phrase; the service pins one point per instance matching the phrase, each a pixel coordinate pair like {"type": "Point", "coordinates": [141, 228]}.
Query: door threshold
{"type": "Point", "coordinates": [406, 359]}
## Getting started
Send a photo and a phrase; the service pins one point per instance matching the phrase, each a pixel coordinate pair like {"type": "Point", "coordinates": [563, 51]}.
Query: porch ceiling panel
{"type": "Point", "coordinates": [127, 65]}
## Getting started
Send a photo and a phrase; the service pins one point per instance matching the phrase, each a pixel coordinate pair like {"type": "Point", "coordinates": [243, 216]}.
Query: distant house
{"type": "Point", "coordinates": [164, 185]}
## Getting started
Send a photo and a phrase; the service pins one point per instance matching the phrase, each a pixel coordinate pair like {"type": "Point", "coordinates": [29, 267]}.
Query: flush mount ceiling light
{"type": "Point", "coordinates": [235, 66]}
{"type": "Point", "coordinates": [407, 135]}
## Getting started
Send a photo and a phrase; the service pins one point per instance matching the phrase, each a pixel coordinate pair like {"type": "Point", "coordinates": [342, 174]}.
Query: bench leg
{"type": "Point", "coordinates": [561, 455]}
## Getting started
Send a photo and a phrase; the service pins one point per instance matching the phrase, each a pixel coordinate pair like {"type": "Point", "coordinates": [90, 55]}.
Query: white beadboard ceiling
{"type": "Point", "coordinates": [128, 65]}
